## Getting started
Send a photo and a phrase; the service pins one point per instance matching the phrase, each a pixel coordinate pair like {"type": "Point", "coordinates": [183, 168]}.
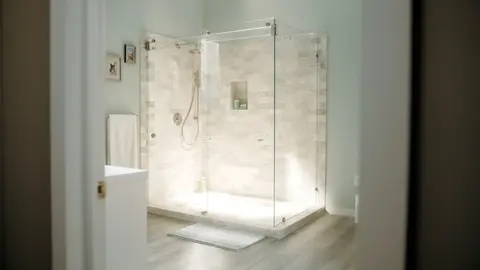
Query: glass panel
{"type": "Point", "coordinates": [296, 123]}
{"type": "Point", "coordinates": [247, 30]}
{"type": "Point", "coordinates": [285, 30]}
{"type": "Point", "coordinates": [238, 95]}
{"type": "Point", "coordinates": [322, 119]}
{"type": "Point", "coordinates": [172, 145]}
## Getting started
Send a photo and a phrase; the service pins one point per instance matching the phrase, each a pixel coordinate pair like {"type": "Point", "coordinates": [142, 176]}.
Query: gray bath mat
{"type": "Point", "coordinates": [218, 237]}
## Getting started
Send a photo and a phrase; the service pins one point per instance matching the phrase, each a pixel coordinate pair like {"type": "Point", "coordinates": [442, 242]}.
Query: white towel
{"type": "Point", "coordinates": [122, 140]}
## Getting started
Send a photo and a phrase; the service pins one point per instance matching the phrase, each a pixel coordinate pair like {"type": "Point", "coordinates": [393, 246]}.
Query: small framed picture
{"type": "Point", "coordinates": [130, 54]}
{"type": "Point", "coordinates": [113, 67]}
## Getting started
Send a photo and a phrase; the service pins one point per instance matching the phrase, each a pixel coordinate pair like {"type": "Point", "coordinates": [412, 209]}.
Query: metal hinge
{"type": "Point", "coordinates": [101, 189]}
{"type": "Point", "coordinates": [273, 28]}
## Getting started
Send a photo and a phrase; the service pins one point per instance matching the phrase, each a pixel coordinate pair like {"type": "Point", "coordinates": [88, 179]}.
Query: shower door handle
{"type": "Point", "coordinates": [153, 135]}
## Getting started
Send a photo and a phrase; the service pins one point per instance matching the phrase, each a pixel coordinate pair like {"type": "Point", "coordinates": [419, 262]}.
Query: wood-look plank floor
{"type": "Point", "coordinates": [326, 244]}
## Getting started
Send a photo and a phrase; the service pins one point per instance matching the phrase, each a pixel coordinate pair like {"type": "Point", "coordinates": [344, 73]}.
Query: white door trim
{"type": "Point", "coordinates": [77, 132]}
{"type": "Point", "coordinates": [384, 134]}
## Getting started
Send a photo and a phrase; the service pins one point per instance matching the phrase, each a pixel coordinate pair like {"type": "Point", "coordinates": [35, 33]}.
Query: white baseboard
{"type": "Point", "coordinates": [341, 211]}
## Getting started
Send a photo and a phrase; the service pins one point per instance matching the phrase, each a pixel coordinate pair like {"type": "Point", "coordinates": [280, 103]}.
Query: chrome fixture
{"type": "Point", "coordinates": [177, 119]}
{"type": "Point", "coordinates": [148, 45]}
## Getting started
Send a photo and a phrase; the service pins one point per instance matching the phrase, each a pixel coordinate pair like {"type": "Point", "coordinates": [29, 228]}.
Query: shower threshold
{"type": "Point", "coordinates": [255, 219]}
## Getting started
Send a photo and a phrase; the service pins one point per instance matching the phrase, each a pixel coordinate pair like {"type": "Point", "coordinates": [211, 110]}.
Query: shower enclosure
{"type": "Point", "coordinates": [233, 124]}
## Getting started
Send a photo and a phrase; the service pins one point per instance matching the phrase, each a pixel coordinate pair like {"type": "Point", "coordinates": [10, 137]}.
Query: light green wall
{"type": "Point", "coordinates": [126, 21]}
{"type": "Point", "coordinates": [341, 19]}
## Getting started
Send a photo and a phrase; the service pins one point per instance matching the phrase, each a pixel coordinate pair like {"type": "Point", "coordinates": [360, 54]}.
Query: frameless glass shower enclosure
{"type": "Point", "coordinates": [233, 124]}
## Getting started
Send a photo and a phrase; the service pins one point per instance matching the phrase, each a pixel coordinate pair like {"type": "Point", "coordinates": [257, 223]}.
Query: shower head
{"type": "Point", "coordinates": [196, 50]}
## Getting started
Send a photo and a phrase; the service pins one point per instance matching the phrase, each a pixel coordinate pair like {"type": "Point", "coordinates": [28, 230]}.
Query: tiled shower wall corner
{"type": "Point", "coordinates": [300, 119]}
{"type": "Point", "coordinates": [240, 144]}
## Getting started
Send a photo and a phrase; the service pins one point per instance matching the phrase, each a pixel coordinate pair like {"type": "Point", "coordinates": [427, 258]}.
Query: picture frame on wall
{"type": "Point", "coordinates": [129, 54]}
{"type": "Point", "coordinates": [113, 67]}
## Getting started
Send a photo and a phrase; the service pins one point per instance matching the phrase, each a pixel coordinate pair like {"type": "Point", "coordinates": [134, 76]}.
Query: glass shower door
{"type": "Point", "coordinates": [296, 123]}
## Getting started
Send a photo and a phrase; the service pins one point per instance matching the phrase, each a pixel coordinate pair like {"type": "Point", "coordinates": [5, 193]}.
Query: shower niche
{"type": "Point", "coordinates": [239, 95]}
{"type": "Point", "coordinates": [249, 150]}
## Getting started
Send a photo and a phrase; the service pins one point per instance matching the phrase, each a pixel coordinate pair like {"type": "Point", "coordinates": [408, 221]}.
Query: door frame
{"type": "Point", "coordinates": [78, 141]}
{"type": "Point", "coordinates": [77, 36]}
{"type": "Point", "coordinates": [384, 134]}
{"type": "Point", "coordinates": [2, 178]}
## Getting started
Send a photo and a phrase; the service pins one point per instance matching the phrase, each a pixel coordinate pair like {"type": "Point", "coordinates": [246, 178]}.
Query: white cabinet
{"type": "Point", "coordinates": [125, 218]}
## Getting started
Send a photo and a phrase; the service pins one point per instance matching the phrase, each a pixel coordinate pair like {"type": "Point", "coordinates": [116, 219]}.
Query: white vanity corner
{"type": "Point", "coordinates": [125, 218]}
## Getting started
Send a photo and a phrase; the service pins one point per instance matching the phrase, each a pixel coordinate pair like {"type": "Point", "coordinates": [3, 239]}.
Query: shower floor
{"type": "Point", "coordinates": [227, 209]}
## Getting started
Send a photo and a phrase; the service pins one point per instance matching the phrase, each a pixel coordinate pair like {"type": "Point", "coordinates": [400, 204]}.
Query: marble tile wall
{"type": "Point", "coordinates": [174, 170]}
{"type": "Point", "coordinates": [300, 156]}
{"type": "Point", "coordinates": [241, 144]}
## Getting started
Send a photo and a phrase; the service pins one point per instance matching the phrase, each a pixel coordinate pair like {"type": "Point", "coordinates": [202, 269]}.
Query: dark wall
{"type": "Point", "coordinates": [26, 151]}
{"type": "Point", "coordinates": [2, 250]}
{"type": "Point", "coordinates": [444, 227]}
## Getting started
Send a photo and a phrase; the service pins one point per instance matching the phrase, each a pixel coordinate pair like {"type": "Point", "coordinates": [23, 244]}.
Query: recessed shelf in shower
{"type": "Point", "coordinates": [239, 95]}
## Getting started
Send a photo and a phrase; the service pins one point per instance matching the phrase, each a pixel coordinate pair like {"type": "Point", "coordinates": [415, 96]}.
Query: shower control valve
{"type": "Point", "coordinates": [177, 119]}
